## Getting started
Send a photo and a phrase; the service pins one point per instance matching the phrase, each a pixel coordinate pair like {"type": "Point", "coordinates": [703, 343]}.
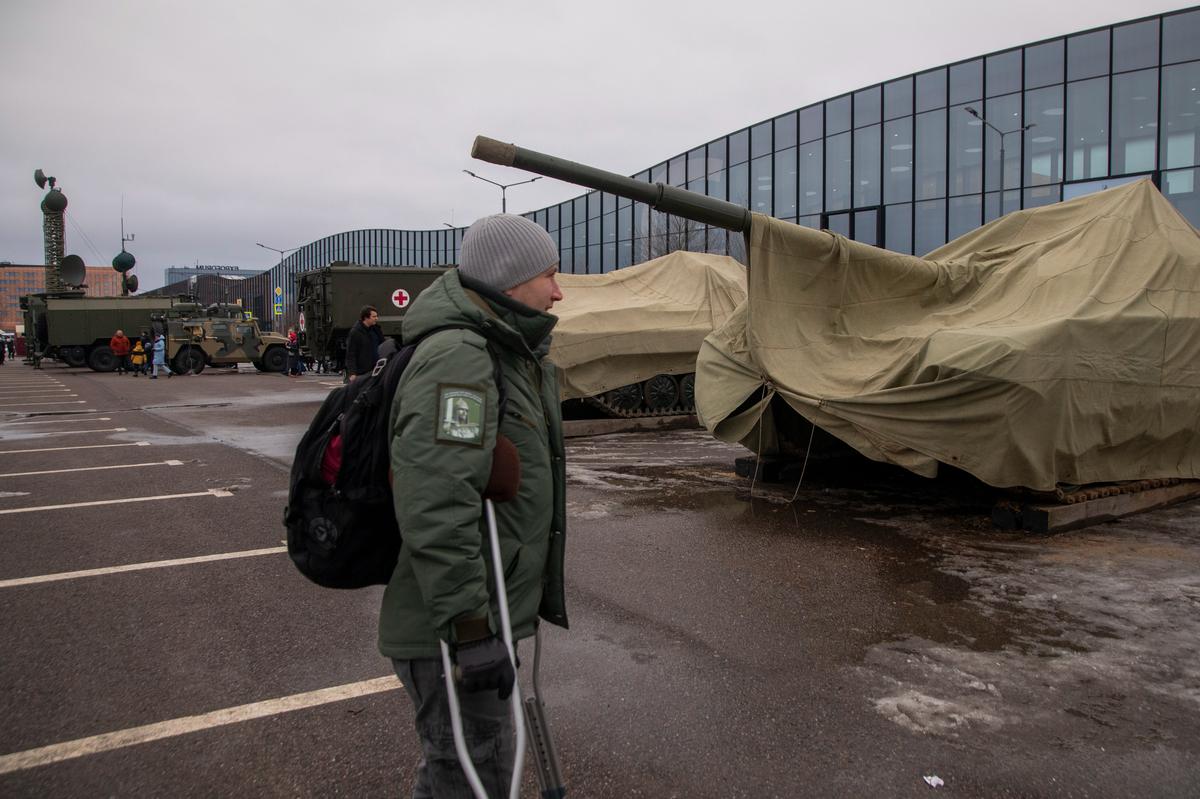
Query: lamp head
{"type": "Point", "coordinates": [972, 112]}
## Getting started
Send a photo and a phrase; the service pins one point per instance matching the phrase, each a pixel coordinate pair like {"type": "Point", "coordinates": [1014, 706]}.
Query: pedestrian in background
{"type": "Point", "coordinates": [119, 345]}
{"type": "Point", "coordinates": [138, 358]}
{"type": "Point", "coordinates": [160, 357]}
{"type": "Point", "coordinates": [362, 343]}
{"type": "Point", "coordinates": [293, 351]}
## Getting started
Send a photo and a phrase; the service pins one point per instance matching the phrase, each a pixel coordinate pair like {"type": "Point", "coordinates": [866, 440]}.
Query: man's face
{"type": "Point", "coordinates": [539, 293]}
{"type": "Point", "coordinates": [372, 319]}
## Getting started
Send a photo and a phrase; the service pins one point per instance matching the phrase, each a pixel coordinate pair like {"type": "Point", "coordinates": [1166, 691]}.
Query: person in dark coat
{"type": "Point", "coordinates": [362, 343]}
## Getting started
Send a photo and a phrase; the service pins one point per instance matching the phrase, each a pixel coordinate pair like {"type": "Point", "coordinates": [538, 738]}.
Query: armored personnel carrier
{"type": "Point", "coordinates": [219, 335]}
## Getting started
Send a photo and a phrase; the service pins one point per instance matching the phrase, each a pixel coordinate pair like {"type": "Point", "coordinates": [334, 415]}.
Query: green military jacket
{"type": "Point", "coordinates": [444, 421]}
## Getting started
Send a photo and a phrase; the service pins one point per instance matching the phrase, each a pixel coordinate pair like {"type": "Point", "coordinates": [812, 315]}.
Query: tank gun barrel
{"type": "Point", "coordinates": [661, 197]}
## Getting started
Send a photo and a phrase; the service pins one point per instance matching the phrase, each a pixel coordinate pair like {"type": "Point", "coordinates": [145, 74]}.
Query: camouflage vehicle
{"type": "Point", "coordinates": [76, 329]}
{"type": "Point", "coordinates": [331, 297]}
{"type": "Point", "coordinates": [219, 335]}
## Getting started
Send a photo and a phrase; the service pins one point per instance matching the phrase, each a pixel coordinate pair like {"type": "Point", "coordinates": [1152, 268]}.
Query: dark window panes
{"type": "Point", "coordinates": [624, 254]}
{"type": "Point", "coordinates": [717, 156]}
{"type": "Point", "coordinates": [930, 158]}
{"type": "Point", "coordinates": [837, 172]}
{"type": "Point", "coordinates": [760, 140]}
{"type": "Point", "coordinates": [867, 189]}
{"type": "Point", "coordinates": [1044, 143]}
{"type": "Point", "coordinates": [866, 227]}
{"type": "Point", "coordinates": [966, 214]}
{"type": "Point", "coordinates": [739, 147]}
{"type": "Point", "coordinates": [1087, 129]}
{"type": "Point", "coordinates": [1042, 195]}
{"type": "Point", "coordinates": [785, 131]}
{"type": "Point", "coordinates": [716, 185]}
{"type": "Point", "coordinates": [897, 228]}
{"type": "Point", "coordinates": [760, 185]}
{"type": "Point", "coordinates": [696, 166]}
{"type": "Point", "coordinates": [565, 239]}
{"type": "Point", "coordinates": [1181, 37]}
{"type": "Point", "coordinates": [897, 160]}
{"type": "Point", "coordinates": [785, 182]}
{"type": "Point", "coordinates": [898, 98]}
{"type": "Point", "coordinates": [739, 185]}
{"type": "Point", "coordinates": [581, 234]}
{"type": "Point", "coordinates": [1005, 114]}
{"type": "Point", "coordinates": [696, 185]}
{"type": "Point", "coordinates": [1087, 55]}
{"type": "Point", "coordinates": [641, 220]}
{"type": "Point", "coordinates": [837, 115]}
{"type": "Point", "coordinates": [1134, 121]}
{"type": "Point", "coordinates": [580, 209]}
{"type": "Point", "coordinates": [540, 218]}
{"type": "Point", "coordinates": [1002, 73]}
{"type": "Point", "coordinates": [677, 171]}
{"type": "Point", "coordinates": [643, 175]}
{"type": "Point", "coordinates": [929, 226]}
{"type": "Point", "coordinates": [931, 90]}
{"type": "Point", "coordinates": [812, 124]}
{"type": "Point", "coordinates": [593, 261]}
{"type": "Point", "coordinates": [716, 240]}
{"type": "Point", "coordinates": [625, 223]}
{"type": "Point", "coordinates": [593, 231]}
{"type": "Point", "coordinates": [609, 226]}
{"type": "Point", "coordinates": [1181, 115]}
{"type": "Point", "coordinates": [566, 217]}
{"type": "Point", "coordinates": [813, 221]}
{"type": "Point", "coordinates": [838, 223]}
{"type": "Point", "coordinates": [965, 153]}
{"type": "Point", "coordinates": [1181, 189]}
{"type": "Point", "coordinates": [658, 174]}
{"type": "Point", "coordinates": [811, 169]}
{"type": "Point", "coordinates": [1044, 64]}
{"type": "Point", "coordinates": [1135, 46]}
{"type": "Point", "coordinates": [868, 106]}
{"type": "Point", "coordinates": [593, 204]}
{"type": "Point", "coordinates": [609, 203]}
{"type": "Point", "coordinates": [966, 82]}
{"type": "Point", "coordinates": [608, 257]}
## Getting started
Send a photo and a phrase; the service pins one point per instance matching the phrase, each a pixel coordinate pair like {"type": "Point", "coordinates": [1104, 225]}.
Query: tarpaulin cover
{"type": "Point", "coordinates": [1057, 345]}
{"type": "Point", "coordinates": [632, 324]}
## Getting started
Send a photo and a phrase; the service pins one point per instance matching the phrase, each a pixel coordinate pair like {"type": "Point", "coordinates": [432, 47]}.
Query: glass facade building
{"type": "Point", "coordinates": [901, 164]}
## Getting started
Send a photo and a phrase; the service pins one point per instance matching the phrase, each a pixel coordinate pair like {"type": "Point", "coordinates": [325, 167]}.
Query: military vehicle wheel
{"type": "Point", "coordinates": [101, 359]}
{"type": "Point", "coordinates": [661, 392]}
{"type": "Point", "coordinates": [73, 356]}
{"type": "Point", "coordinates": [274, 359]}
{"type": "Point", "coordinates": [189, 359]}
{"type": "Point", "coordinates": [687, 390]}
{"type": "Point", "coordinates": [625, 398]}
{"type": "Point", "coordinates": [258, 364]}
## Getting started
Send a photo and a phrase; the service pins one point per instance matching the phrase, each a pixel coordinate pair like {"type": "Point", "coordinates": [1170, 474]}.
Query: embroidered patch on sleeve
{"type": "Point", "coordinates": [460, 415]}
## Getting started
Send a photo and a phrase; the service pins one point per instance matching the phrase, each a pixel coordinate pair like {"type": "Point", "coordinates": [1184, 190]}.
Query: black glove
{"type": "Point", "coordinates": [484, 664]}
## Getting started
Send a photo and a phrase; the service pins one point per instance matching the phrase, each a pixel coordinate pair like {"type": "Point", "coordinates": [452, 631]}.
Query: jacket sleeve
{"type": "Point", "coordinates": [438, 480]}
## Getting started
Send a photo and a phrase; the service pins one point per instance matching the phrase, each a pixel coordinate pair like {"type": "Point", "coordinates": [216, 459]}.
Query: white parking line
{"type": "Point", "coordinates": [93, 468]}
{"type": "Point", "coordinates": [21, 392]}
{"type": "Point", "coordinates": [60, 449]}
{"type": "Point", "coordinates": [212, 492]}
{"type": "Point", "coordinates": [68, 402]}
{"type": "Point", "coordinates": [60, 421]}
{"type": "Point", "coordinates": [55, 753]}
{"type": "Point", "coordinates": [78, 432]}
{"type": "Point", "coordinates": [158, 564]}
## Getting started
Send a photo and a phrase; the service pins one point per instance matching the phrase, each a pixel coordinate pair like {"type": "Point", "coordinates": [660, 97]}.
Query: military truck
{"type": "Point", "coordinates": [220, 334]}
{"type": "Point", "coordinates": [331, 297]}
{"type": "Point", "coordinates": [76, 329]}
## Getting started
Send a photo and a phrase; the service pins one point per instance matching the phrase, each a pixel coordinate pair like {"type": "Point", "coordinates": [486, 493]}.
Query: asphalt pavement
{"type": "Point", "coordinates": [875, 636]}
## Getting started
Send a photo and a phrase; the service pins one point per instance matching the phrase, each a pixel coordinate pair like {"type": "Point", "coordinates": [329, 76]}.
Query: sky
{"type": "Point", "coordinates": [216, 125]}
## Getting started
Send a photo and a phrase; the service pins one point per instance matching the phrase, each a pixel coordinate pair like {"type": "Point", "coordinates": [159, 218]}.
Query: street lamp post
{"type": "Point", "coordinates": [1001, 134]}
{"type": "Point", "coordinates": [503, 187]}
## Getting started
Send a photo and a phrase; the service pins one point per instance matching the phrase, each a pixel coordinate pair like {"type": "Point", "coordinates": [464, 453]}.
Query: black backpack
{"type": "Point", "coordinates": [340, 519]}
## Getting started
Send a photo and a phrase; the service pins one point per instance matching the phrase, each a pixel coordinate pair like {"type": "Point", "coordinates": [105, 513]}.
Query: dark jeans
{"type": "Point", "coordinates": [487, 727]}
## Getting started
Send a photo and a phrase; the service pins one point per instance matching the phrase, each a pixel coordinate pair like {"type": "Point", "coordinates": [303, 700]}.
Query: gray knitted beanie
{"type": "Point", "coordinates": [505, 250]}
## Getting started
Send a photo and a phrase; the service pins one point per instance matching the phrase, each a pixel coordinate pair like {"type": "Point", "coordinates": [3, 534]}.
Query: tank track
{"type": "Point", "coordinates": [653, 397]}
{"type": "Point", "coordinates": [1073, 494]}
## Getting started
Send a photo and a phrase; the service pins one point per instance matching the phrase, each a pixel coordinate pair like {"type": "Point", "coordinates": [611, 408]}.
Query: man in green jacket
{"type": "Point", "coordinates": [486, 318]}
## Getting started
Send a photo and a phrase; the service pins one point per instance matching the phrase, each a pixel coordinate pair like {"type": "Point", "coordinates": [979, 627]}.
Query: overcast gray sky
{"type": "Point", "coordinates": [228, 123]}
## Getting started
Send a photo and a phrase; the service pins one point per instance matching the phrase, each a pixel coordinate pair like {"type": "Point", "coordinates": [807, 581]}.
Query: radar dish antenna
{"type": "Point", "coordinates": [72, 270]}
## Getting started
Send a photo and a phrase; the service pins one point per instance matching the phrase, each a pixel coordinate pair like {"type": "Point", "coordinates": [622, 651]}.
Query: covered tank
{"type": "Point", "coordinates": [1056, 345]}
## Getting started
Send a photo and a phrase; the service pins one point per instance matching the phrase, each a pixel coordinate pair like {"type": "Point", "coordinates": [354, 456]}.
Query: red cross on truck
{"type": "Point", "coordinates": [400, 298]}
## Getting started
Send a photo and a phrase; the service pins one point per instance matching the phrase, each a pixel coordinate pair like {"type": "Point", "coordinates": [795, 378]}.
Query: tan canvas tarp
{"type": "Point", "coordinates": [634, 323]}
{"type": "Point", "coordinates": [1055, 345]}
